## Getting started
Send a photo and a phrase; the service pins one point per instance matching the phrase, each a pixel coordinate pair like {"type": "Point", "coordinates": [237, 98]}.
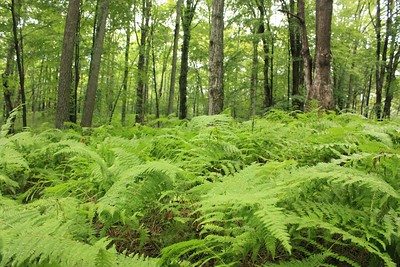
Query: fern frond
{"type": "Point", "coordinates": [312, 261]}
{"type": "Point", "coordinates": [137, 188]}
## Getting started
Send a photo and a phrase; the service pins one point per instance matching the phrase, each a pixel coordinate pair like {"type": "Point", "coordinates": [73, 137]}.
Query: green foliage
{"type": "Point", "coordinates": [304, 190]}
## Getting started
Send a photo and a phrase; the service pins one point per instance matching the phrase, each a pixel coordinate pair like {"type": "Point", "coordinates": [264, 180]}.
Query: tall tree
{"type": "Point", "coordinates": [295, 53]}
{"type": "Point", "coordinates": [174, 58]}
{"type": "Point", "coordinates": [321, 89]}
{"type": "Point", "coordinates": [67, 55]}
{"type": "Point", "coordinates": [142, 62]}
{"type": "Point", "coordinates": [187, 18]}
{"type": "Point", "coordinates": [20, 61]}
{"type": "Point", "coordinates": [73, 114]}
{"type": "Point", "coordinates": [6, 84]}
{"type": "Point", "coordinates": [88, 107]}
{"type": "Point", "coordinates": [319, 85]}
{"type": "Point", "coordinates": [262, 31]}
{"type": "Point", "coordinates": [305, 47]}
{"type": "Point", "coordinates": [216, 58]}
{"type": "Point", "coordinates": [126, 72]}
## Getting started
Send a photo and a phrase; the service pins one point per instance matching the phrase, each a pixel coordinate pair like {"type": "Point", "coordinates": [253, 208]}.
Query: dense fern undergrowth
{"type": "Point", "coordinates": [283, 190]}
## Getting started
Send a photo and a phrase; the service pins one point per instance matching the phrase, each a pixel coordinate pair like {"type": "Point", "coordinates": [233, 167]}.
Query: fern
{"type": "Point", "coordinates": [52, 232]}
{"type": "Point", "coordinates": [137, 188]}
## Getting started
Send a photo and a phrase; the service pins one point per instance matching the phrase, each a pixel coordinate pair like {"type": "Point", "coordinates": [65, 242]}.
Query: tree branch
{"type": "Point", "coordinates": [292, 14]}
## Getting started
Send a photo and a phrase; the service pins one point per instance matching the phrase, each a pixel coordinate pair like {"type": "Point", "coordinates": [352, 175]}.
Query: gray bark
{"type": "Point", "coordinates": [90, 99]}
{"type": "Point", "coordinates": [216, 57]}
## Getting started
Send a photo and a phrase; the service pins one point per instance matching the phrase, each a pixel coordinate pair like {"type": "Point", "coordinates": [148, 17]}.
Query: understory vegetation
{"type": "Point", "coordinates": [283, 190]}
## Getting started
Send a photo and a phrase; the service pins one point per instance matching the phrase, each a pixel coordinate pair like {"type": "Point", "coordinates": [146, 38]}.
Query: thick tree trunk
{"type": "Point", "coordinates": [216, 58]}
{"type": "Point", "coordinates": [20, 63]}
{"type": "Point", "coordinates": [174, 58]}
{"type": "Point", "coordinates": [321, 89]}
{"type": "Point", "coordinates": [90, 99]}
{"type": "Point", "coordinates": [67, 54]}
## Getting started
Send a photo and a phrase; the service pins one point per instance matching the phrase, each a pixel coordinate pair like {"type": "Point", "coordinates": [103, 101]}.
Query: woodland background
{"type": "Point", "coordinates": [262, 58]}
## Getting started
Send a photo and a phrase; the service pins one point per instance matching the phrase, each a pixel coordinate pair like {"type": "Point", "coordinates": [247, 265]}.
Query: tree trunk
{"type": "Point", "coordinates": [5, 77]}
{"type": "Point", "coordinates": [305, 48]}
{"type": "Point", "coordinates": [73, 114]}
{"type": "Point", "coordinates": [187, 19]}
{"type": "Point", "coordinates": [67, 54]}
{"type": "Point", "coordinates": [141, 74]}
{"type": "Point", "coordinates": [267, 57]}
{"type": "Point", "coordinates": [20, 62]}
{"type": "Point", "coordinates": [126, 73]}
{"type": "Point", "coordinates": [390, 79]}
{"type": "Point", "coordinates": [321, 89]}
{"type": "Point", "coordinates": [216, 58]}
{"type": "Point", "coordinates": [381, 54]}
{"type": "Point", "coordinates": [254, 78]}
{"type": "Point", "coordinates": [295, 51]}
{"type": "Point", "coordinates": [174, 59]}
{"type": "Point", "coordinates": [88, 107]}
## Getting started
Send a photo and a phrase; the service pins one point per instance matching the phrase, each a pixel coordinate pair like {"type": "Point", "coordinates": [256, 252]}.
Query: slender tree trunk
{"type": "Point", "coordinates": [216, 59]}
{"type": "Point", "coordinates": [187, 18]}
{"type": "Point", "coordinates": [381, 53]}
{"type": "Point", "coordinates": [141, 74]}
{"type": "Point", "coordinates": [126, 73]}
{"type": "Point", "coordinates": [174, 58]}
{"type": "Point", "coordinates": [5, 77]}
{"type": "Point", "coordinates": [73, 115]}
{"type": "Point", "coordinates": [184, 73]}
{"type": "Point", "coordinates": [295, 51]}
{"type": "Point", "coordinates": [267, 58]}
{"type": "Point", "coordinates": [254, 78]}
{"type": "Point", "coordinates": [20, 62]}
{"type": "Point", "coordinates": [295, 47]}
{"type": "Point", "coordinates": [156, 92]}
{"type": "Point", "coordinates": [305, 48]}
{"type": "Point", "coordinates": [65, 79]}
{"type": "Point", "coordinates": [88, 107]}
{"type": "Point", "coordinates": [390, 78]}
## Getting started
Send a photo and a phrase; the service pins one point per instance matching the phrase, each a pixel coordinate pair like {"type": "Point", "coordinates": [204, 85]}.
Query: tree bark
{"type": "Point", "coordinates": [5, 78]}
{"type": "Point", "coordinates": [321, 89]}
{"type": "Point", "coordinates": [295, 51]}
{"type": "Point", "coordinates": [187, 19]}
{"type": "Point", "coordinates": [73, 114]}
{"type": "Point", "coordinates": [20, 63]}
{"type": "Point", "coordinates": [381, 54]}
{"type": "Point", "coordinates": [254, 78]}
{"type": "Point", "coordinates": [67, 54]}
{"type": "Point", "coordinates": [216, 57]}
{"type": "Point", "coordinates": [90, 99]}
{"type": "Point", "coordinates": [390, 78]}
{"type": "Point", "coordinates": [305, 47]}
{"type": "Point", "coordinates": [142, 65]}
{"type": "Point", "coordinates": [126, 73]}
{"type": "Point", "coordinates": [174, 58]}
